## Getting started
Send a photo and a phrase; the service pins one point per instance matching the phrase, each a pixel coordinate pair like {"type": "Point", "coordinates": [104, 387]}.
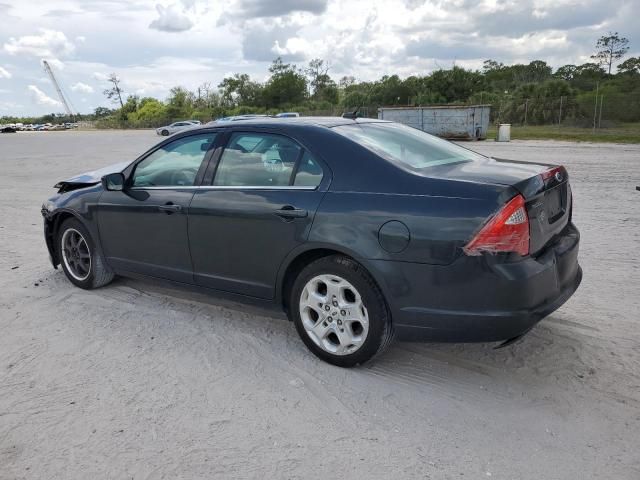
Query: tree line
{"type": "Point", "coordinates": [520, 93]}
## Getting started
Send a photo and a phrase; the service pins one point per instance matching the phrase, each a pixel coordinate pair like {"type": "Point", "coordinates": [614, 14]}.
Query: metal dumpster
{"type": "Point", "coordinates": [447, 121]}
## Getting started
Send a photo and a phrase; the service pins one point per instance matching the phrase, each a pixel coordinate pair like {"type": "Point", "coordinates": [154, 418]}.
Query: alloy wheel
{"type": "Point", "coordinates": [76, 254]}
{"type": "Point", "coordinates": [333, 314]}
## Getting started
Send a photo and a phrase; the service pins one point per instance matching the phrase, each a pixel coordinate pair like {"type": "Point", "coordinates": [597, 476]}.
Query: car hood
{"type": "Point", "coordinates": [89, 178]}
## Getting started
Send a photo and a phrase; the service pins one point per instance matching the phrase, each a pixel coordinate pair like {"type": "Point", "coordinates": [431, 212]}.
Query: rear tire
{"type": "Point", "coordinates": [339, 312]}
{"type": "Point", "coordinates": [81, 260]}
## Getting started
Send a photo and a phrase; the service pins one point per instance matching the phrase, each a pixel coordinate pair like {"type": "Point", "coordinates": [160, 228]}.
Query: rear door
{"type": "Point", "coordinates": [143, 229]}
{"type": "Point", "coordinates": [259, 205]}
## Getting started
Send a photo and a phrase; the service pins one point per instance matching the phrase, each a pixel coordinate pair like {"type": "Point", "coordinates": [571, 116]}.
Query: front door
{"type": "Point", "coordinates": [143, 229]}
{"type": "Point", "coordinates": [260, 206]}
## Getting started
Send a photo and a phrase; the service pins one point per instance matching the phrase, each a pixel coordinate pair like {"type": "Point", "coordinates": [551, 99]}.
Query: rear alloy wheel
{"type": "Point", "coordinates": [81, 260]}
{"type": "Point", "coordinates": [333, 314]}
{"type": "Point", "coordinates": [339, 311]}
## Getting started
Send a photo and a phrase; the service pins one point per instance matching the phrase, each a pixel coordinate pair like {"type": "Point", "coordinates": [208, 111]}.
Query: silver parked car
{"type": "Point", "coordinates": [175, 127]}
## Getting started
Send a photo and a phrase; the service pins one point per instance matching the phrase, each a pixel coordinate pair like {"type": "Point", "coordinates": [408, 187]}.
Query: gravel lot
{"type": "Point", "coordinates": [139, 381]}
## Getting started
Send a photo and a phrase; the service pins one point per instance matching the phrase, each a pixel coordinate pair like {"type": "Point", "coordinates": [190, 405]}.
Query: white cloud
{"type": "Point", "coordinates": [100, 76]}
{"type": "Point", "coordinates": [363, 38]}
{"type": "Point", "coordinates": [9, 107]}
{"type": "Point", "coordinates": [293, 46]}
{"type": "Point", "coordinates": [41, 98]}
{"type": "Point", "coordinates": [4, 73]}
{"type": "Point", "coordinates": [55, 63]}
{"type": "Point", "coordinates": [82, 87]}
{"type": "Point", "coordinates": [50, 43]}
{"type": "Point", "coordinates": [171, 19]}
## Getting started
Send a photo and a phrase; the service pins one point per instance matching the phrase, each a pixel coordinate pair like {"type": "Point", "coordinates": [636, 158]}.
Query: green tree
{"type": "Point", "coordinates": [630, 66]}
{"type": "Point", "coordinates": [114, 93]}
{"type": "Point", "coordinates": [206, 98]}
{"type": "Point", "coordinates": [390, 90]}
{"type": "Point", "coordinates": [151, 112]}
{"type": "Point", "coordinates": [240, 90]}
{"type": "Point", "coordinates": [131, 105]}
{"type": "Point", "coordinates": [179, 104]}
{"type": "Point", "coordinates": [610, 47]}
{"type": "Point", "coordinates": [535, 72]}
{"type": "Point", "coordinates": [319, 80]}
{"type": "Point", "coordinates": [100, 112]}
{"type": "Point", "coordinates": [286, 86]}
{"type": "Point", "coordinates": [455, 85]}
{"type": "Point", "coordinates": [566, 72]}
{"type": "Point", "coordinates": [346, 81]}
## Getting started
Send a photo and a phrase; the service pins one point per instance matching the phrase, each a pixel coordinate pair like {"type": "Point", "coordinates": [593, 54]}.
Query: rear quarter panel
{"type": "Point", "coordinates": [436, 226]}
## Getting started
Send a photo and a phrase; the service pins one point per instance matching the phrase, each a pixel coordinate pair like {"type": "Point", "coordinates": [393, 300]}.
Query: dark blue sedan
{"type": "Point", "coordinates": [361, 230]}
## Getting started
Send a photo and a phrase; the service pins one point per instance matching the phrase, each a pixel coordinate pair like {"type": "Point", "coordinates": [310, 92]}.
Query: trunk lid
{"type": "Point", "coordinates": [545, 189]}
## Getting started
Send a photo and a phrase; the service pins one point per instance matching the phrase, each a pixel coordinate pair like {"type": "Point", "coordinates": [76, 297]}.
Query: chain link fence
{"type": "Point", "coordinates": [595, 110]}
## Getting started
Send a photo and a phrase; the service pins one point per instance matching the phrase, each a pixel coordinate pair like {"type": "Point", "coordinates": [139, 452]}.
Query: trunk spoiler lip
{"type": "Point", "coordinates": [554, 176]}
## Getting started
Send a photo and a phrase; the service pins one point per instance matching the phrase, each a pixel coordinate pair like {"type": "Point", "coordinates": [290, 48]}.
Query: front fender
{"type": "Point", "coordinates": [80, 204]}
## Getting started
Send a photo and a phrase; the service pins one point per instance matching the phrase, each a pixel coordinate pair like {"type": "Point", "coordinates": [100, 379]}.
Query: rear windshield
{"type": "Point", "coordinates": [405, 145]}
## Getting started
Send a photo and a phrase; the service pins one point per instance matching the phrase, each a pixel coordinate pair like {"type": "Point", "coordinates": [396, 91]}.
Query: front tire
{"type": "Point", "coordinates": [81, 260]}
{"type": "Point", "coordinates": [340, 312]}
{"type": "Point", "coordinates": [165, 133]}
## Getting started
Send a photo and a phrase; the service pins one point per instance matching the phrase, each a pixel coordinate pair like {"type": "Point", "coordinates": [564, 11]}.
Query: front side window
{"type": "Point", "coordinates": [174, 165]}
{"type": "Point", "coordinates": [408, 146]}
{"type": "Point", "coordinates": [257, 160]}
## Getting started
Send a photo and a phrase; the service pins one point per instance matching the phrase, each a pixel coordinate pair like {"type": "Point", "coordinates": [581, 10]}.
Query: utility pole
{"type": "Point", "coordinates": [560, 116]}
{"type": "Point", "coordinates": [595, 109]}
{"type": "Point", "coordinates": [600, 115]}
{"type": "Point", "coordinates": [526, 109]}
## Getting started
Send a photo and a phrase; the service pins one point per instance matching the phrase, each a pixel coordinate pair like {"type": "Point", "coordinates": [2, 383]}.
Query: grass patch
{"type": "Point", "coordinates": [623, 133]}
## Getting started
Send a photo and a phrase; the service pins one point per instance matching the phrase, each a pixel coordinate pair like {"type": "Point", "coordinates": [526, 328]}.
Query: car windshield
{"type": "Point", "coordinates": [405, 145]}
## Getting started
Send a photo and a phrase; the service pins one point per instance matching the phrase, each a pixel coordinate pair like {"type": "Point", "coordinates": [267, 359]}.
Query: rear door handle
{"type": "Point", "coordinates": [169, 208]}
{"type": "Point", "coordinates": [289, 212]}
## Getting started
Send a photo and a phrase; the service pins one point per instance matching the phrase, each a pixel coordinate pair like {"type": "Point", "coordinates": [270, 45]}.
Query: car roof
{"type": "Point", "coordinates": [298, 121]}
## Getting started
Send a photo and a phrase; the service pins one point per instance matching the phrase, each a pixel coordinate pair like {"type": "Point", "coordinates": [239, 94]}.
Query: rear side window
{"type": "Point", "coordinates": [257, 160]}
{"type": "Point", "coordinates": [309, 173]}
{"type": "Point", "coordinates": [407, 146]}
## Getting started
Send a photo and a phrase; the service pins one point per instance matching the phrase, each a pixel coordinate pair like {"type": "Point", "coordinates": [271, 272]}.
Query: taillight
{"type": "Point", "coordinates": [506, 231]}
{"type": "Point", "coordinates": [553, 172]}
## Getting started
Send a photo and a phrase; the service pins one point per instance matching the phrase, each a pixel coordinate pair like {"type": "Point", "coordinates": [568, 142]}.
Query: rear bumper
{"type": "Point", "coordinates": [482, 299]}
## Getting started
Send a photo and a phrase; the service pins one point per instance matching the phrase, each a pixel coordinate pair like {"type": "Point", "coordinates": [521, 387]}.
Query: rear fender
{"type": "Point", "coordinates": [330, 249]}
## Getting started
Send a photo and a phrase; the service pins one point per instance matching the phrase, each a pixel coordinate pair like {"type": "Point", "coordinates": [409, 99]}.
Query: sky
{"type": "Point", "coordinates": [157, 44]}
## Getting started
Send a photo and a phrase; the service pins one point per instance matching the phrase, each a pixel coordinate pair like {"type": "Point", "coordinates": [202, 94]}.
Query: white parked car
{"type": "Point", "coordinates": [175, 127]}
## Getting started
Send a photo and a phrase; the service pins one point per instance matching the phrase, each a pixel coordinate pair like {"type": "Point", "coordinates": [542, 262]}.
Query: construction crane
{"type": "Point", "coordinates": [56, 85]}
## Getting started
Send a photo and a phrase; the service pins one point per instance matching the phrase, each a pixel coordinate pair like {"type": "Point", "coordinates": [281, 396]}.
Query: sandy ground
{"type": "Point", "coordinates": [138, 381]}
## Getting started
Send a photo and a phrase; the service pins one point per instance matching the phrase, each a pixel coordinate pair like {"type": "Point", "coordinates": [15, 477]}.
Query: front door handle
{"type": "Point", "coordinates": [170, 208]}
{"type": "Point", "coordinates": [289, 212]}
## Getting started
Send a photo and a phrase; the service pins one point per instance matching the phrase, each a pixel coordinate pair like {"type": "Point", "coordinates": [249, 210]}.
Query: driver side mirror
{"type": "Point", "coordinates": [113, 182]}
